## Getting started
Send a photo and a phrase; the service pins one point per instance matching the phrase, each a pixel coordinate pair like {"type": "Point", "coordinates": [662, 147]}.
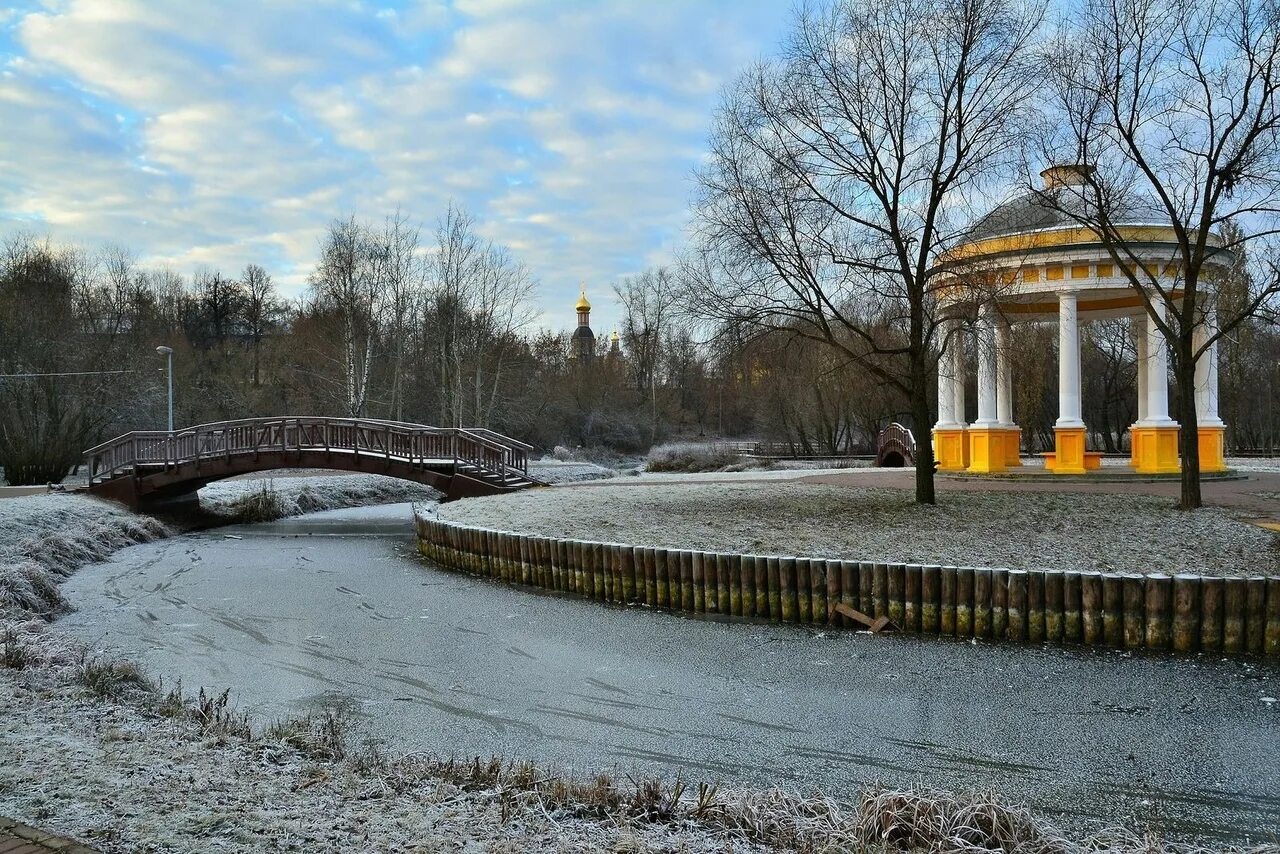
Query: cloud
{"type": "Point", "coordinates": [233, 132]}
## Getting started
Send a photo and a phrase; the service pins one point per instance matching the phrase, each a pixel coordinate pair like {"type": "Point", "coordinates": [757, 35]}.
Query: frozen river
{"type": "Point", "coordinates": [293, 614]}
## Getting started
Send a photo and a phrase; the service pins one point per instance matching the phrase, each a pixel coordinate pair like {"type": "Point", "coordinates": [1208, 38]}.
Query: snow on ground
{"type": "Point", "coordinates": [127, 768]}
{"type": "Point", "coordinates": [762, 474]}
{"type": "Point", "coordinates": [1253, 463]}
{"type": "Point", "coordinates": [550, 470]}
{"type": "Point", "coordinates": [1077, 531]}
{"type": "Point", "coordinates": [45, 538]}
{"type": "Point", "coordinates": [120, 777]}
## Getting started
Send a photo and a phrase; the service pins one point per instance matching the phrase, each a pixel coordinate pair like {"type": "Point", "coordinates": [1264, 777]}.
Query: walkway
{"type": "Point", "coordinates": [18, 838]}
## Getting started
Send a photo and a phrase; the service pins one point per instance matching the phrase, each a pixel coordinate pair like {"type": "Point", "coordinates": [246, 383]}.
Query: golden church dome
{"type": "Point", "coordinates": [583, 304]}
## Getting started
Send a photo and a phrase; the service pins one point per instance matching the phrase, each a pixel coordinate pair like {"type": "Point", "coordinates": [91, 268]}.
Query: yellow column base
{"type": "Point", "coordinates": [1013, 446]}
{"type": "Point", "coordinates": [1068, 451]}
{"type": "Point", "coordinates": [949, 449]}
{"type": "Point", "coordinates": [986, 449]}
{"type": "Point", "coordinates": [1154, 450]}
{"type": "Point", "coordinates": [1212, 449]}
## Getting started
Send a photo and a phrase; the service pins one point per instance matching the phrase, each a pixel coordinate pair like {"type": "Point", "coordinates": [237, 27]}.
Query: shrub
{"type": "Point", "coordinates": [690, 457]}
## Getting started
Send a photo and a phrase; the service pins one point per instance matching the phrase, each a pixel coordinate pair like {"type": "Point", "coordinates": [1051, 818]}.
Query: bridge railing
{"type": "Point", "coordinates": [412, 443]}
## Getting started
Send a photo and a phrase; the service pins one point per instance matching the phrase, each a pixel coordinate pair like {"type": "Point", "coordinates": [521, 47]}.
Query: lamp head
{"type": "Point", "coordinates": [163, 350]}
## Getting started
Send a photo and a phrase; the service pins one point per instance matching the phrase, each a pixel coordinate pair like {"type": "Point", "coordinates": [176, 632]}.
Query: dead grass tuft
{"type": "Point", "coordinates": [110, 678]}
{"type": "Point", "coordinates": [322, 735]}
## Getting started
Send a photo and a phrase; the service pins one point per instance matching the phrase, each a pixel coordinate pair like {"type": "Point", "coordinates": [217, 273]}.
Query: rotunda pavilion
{"type": "Point", "coordinates": [1030, 261]}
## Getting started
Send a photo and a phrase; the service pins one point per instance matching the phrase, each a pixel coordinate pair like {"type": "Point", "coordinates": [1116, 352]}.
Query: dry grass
{"type": "Point", "coordinates": [111, 678]}
{"type": "Point", "coordinates": [14, 650]}
{"type": "Point", "coordinates": [881, 819]}
{"type": "Point", "coordinates": [323, 735]}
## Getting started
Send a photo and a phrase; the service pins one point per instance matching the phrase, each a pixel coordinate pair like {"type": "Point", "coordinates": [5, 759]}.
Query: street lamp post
{"type": "Point", "coordinates": [168, 353]}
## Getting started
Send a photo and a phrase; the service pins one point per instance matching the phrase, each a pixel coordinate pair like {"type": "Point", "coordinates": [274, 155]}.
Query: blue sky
{"type": "Point", "coordinates": [220, 133]}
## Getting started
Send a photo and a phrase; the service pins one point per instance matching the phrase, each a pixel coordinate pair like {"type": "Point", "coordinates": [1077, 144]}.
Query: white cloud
{"type": "Point", "coordinates": [223, 133]}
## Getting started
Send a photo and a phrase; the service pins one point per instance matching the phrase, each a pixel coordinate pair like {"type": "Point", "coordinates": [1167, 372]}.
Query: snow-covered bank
{"type": "Point", "coordinates": [45, 538]}
{"type": "Point", "coordinates": [132, 768]}
{"type": "Point", "coordinates": [1069, 531]}
{"type": "Point", "coordinates": [550, 470]}
{"type": "Point", "coordinates": [275, 495]}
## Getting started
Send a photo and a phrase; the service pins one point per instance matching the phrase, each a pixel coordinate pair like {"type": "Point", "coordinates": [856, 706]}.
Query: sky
{"type": "Point", "coordinates": [217, 134]}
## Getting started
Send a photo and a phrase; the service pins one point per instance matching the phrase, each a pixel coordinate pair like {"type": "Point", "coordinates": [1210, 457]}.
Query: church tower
{"type": "Point", "coordinates": [583, 344]}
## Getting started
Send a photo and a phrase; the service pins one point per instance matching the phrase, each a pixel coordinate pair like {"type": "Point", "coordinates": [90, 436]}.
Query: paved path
{"type": "Point", "coordinates": [18, 838]}
{"type": "Point", "coordinates": [338, 604]}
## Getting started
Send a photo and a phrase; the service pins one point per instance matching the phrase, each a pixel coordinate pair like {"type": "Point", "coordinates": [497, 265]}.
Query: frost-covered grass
{"type": "Point", "coordinates": [690, 457]}
{"type": "Point", "coordinates": [550, 470]}
{"type": "Point", "coordinates": [116, 770]}
{"type": "Point", "coordinates": [1077, 531]}
{"type": "Point", "coordinates": [45, 538]}
{"type": "Point", "coordinates": [264, 499]}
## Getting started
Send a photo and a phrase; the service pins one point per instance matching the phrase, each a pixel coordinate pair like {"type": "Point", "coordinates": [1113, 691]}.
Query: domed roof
{"type": "Point", "coordinates": [583, 304]}
{"type": "Point", "coordinates": [1062, 203]}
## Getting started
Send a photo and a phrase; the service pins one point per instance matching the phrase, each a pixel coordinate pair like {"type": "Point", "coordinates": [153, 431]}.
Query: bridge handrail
{"type": "Point", "coordinates": [217, 439]}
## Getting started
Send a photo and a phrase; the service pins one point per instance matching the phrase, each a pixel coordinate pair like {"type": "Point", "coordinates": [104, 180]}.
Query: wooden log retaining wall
{"type": "Point", "coordinates": [1186, 613]}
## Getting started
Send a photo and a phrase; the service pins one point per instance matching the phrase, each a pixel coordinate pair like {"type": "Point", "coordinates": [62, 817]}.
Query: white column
{"type": "Point", "coordinates": [1004, 373]}
{"type": "Point", "coordinates": [986, 340]}
{"type": "Point", "coordinates": [1207, 372]}
{"type": "Point", "coordinates": [1068, 361]}
{"type": "Point", "coordinates": [946, 379]}
{"type": "Point", "coordinates": [1139, 330]}
{"type": "Point", "coordinates": [1157, 370]}
{"type": "Point", "coordinates": [957, 373]}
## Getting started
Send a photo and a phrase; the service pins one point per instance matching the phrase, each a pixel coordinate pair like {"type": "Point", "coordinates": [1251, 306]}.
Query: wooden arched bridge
{"type": "Point", "coordinates": [152, 466]}
{"type": "Point", "coordinates": [895, 447]}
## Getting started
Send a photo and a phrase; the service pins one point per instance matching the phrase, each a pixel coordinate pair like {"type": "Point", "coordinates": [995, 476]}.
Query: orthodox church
{"type": "Point", "coordinates": [582, 344]}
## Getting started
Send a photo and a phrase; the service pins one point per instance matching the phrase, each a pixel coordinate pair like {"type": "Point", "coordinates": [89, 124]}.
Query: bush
{"type": "Point", "coordinates": [690, 457]}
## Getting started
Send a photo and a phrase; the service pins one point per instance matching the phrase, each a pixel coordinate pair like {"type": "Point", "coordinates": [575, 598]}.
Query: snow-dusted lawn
{"type": "Point", "coordinates": [1080, 531]}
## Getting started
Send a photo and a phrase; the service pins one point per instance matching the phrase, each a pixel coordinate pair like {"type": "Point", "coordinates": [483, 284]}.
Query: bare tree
{"type": "Point", "coordinates": [478, 301]}
{"type": "Point", "coordinates": [837, 175]}
{"type": "Point", "coordinates": [404, 270]}
{"type": "Point", "coordinates": [649, 302]}
{"type": "Point", "coordinates": [1171, 108]}
{"type": "Point", "coordinates": [348, 281]}
{"type": "Point", "coordinates": [262, 311]}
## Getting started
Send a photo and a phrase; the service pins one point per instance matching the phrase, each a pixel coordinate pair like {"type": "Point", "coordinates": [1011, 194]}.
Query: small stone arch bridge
{"type": "Point", "coordinates": [152, 467]}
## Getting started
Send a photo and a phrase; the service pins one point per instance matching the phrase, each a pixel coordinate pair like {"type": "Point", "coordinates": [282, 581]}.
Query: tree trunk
{"type": "Point", "coordinates": [1188, 427]}
{"type": "Point", "coordinates": [921, 419]}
